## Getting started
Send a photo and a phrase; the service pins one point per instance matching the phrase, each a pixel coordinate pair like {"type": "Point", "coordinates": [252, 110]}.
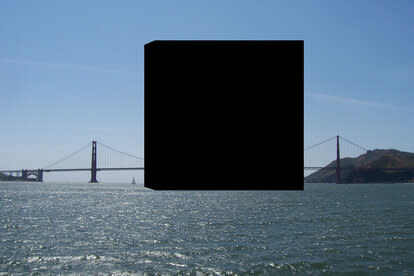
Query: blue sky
{"type": "Point", "coordinates": [72, 71]}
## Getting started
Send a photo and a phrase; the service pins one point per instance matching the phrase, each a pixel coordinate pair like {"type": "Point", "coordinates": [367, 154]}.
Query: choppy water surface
{"type": "Point", "coordinates": [51, 228]}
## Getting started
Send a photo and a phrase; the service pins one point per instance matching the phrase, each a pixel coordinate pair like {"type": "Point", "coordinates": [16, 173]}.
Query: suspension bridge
{"type": "Point", "coordinates": [108, 162]}
{"type": "Point", "coordinates": [329, 154]}
{"type": "Point", "coordinates": [336, 153]}
{"type": "Point", "coordinates": [320, 155]}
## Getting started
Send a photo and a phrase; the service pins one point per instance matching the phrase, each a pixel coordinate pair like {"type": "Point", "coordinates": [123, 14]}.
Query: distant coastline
{"type": "Point", "coordinates": [4, 177]}
{"type": "Point", "coordinates": [375, 166]}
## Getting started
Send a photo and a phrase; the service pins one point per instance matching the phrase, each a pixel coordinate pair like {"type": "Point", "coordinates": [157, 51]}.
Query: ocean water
{"type": "Point", "coordinates": [120, 229]}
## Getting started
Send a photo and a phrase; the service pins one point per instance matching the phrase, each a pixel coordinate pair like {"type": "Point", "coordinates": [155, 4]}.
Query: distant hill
{"type": "Point", "coordinates": [4, 177]}
{"type": "Point", "coordinates": [375, 166]}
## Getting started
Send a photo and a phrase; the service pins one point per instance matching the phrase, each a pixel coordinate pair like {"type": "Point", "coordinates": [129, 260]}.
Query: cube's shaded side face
{"type": "Point", "coordinates": [224, 115]}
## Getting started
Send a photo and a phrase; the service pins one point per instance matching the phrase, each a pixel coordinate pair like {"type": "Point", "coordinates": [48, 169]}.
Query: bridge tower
{"type": "Point", "coordinates": [338, 159]}
{"type": "Point", "coordinates": [93, 164]}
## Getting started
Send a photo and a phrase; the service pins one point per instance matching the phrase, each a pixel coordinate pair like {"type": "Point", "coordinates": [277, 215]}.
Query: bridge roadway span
{"type": "Point", "coordinates": [38, 174]}
{"type": "Point", "coordinates": [72, 170]}
{"type": "Point", "coordinates": [141, 168]}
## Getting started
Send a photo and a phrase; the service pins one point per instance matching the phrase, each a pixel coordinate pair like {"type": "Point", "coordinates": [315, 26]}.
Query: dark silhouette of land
{"type": "Point", "coordinates": [5, 177]}
{"type": "Point", "coordinates": [375, 166]}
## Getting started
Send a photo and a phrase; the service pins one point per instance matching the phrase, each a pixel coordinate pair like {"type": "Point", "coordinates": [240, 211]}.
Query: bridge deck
{"type": "Point", "coordinates": [71, 170]}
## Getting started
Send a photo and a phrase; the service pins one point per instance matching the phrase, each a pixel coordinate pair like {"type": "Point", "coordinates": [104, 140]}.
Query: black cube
{"type": "Point", "coordinates": [224, 115]}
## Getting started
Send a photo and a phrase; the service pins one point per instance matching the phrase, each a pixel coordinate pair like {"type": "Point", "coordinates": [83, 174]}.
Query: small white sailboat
{"type": "Point", "coordinates": [133, 181]}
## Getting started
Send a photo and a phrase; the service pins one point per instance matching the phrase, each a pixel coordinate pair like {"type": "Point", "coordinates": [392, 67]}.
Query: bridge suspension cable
{"type": "Point", "coordinates": [318, 144]}
{"type": "Point", "coordinates": [358, 146]}
{"type": "Point", "coordinates": [68, 156]}
{"type": "Point", "coordinates": [121, 152]}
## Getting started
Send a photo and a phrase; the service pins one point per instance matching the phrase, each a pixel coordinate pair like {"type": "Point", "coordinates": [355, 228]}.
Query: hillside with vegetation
{"type": "Point", "coordinates": [375, 166]}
